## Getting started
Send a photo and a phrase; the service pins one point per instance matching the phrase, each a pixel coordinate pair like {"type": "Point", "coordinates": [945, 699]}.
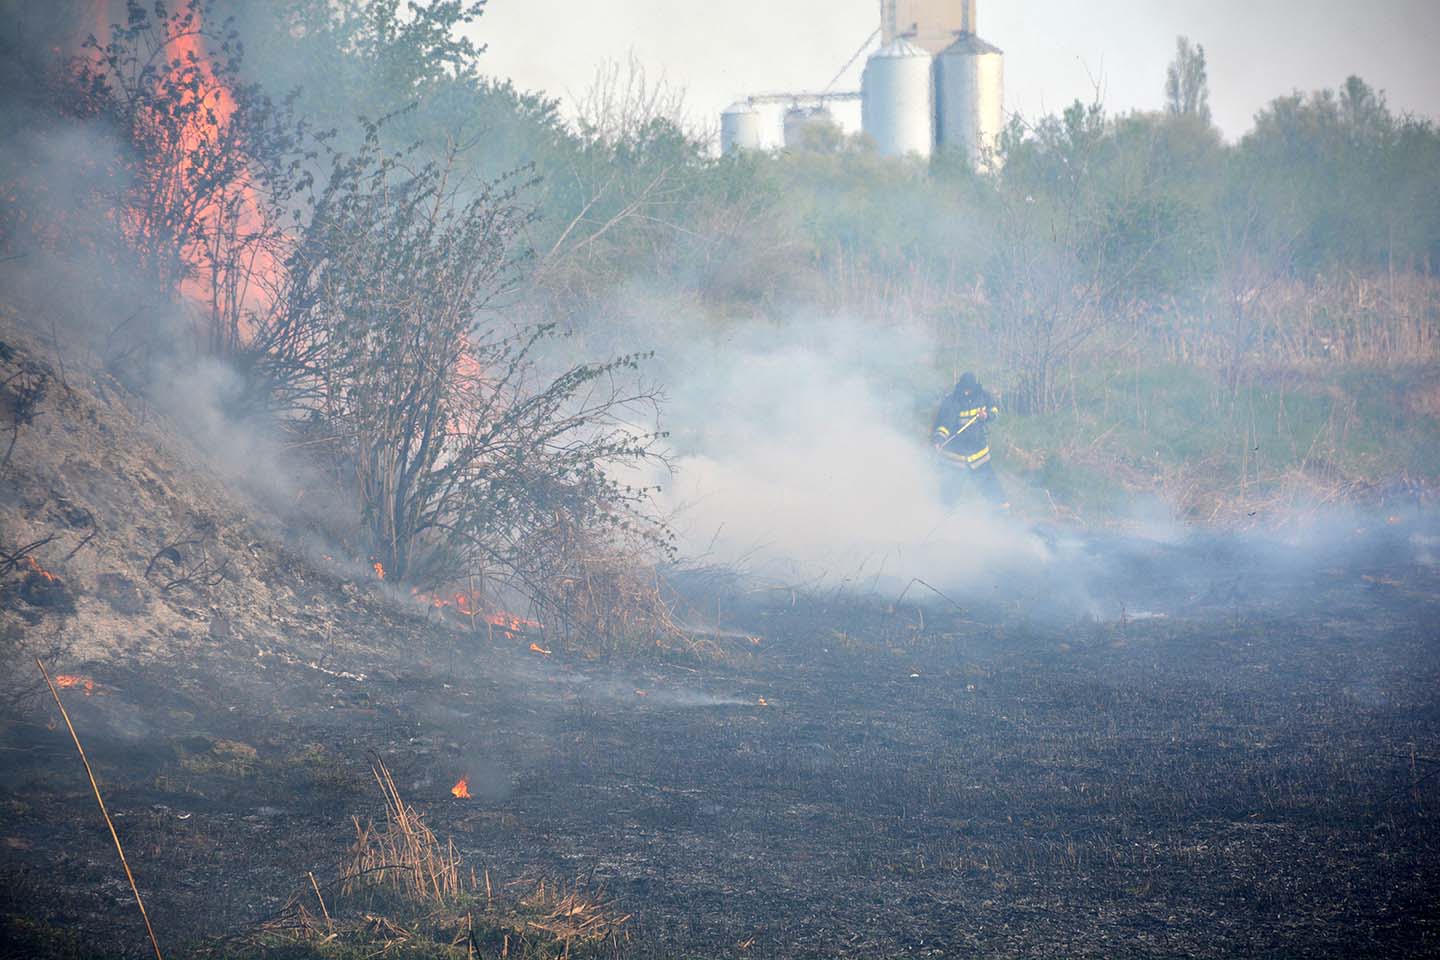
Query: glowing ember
{"type": "Point", "coordinates": [536, 648]}
{"type": "Point", "coordinates": [461, 789]}
{"type": "Point", "coordinates": [379, 569]}
{"type": "Point", "coordinates": [762, 702]}
{"type": "Point", "coordinates": [510, 622]}
{"type": "Point", "coordinates": [66, 680]}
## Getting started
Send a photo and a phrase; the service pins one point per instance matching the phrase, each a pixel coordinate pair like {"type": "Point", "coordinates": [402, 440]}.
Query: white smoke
{"type": "Point", "coordinates": [802, 456]}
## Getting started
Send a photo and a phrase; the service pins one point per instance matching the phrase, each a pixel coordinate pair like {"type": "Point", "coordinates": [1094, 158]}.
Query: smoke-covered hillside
{"type": "Point", "coordinates": [436, 521]}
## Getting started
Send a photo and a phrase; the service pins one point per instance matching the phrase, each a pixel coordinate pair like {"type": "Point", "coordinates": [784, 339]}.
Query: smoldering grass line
{"type": "Point", "coordinates": [103, 812]}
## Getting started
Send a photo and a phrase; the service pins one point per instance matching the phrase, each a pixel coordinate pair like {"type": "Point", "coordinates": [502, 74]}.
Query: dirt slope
{"type": "Point", "coordinates": [155, 557]}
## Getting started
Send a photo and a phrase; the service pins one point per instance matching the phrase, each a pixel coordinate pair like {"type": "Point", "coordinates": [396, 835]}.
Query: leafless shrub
{"type": "Point", "coordinates": [1065, 264]}
{"type": "Point", "coordinates": [629, 176]}
{"type": "Point", "coordinates": [622, 101]}
{"type": "Point", "coordinates": [458, 442]}
{"type": "Point", "coordinates": [1047, 300]}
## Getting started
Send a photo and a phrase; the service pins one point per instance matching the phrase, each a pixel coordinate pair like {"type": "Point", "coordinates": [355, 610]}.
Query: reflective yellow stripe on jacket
{"type": "Point", "coordinates": [973, 460]}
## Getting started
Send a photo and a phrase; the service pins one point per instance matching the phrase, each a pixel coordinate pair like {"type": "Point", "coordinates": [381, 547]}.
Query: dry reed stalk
{"type": "Point", "coordinates": [103, 812]}
{"type": "Point", "coordinates": [329, 924]}
{"type": "Point", "coordinates": [406, 852]}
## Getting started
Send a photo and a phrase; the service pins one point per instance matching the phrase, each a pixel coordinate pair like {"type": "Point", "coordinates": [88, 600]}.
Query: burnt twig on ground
{"type": "Point", "coordinates": [81, 545]}
{"type": "Point", "coordinates": [328, 922]}
{"type": "Point", "coordinates": [103, 812]}
{"type": "Point", "coordinates": [199, 572]}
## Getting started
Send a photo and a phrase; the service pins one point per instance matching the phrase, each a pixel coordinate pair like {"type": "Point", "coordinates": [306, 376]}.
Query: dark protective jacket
{"type": "Point", "coordinates": [958, 432]}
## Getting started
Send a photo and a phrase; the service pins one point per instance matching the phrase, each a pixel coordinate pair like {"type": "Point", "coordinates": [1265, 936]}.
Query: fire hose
{"type": "Point", "coordinates": [968, 423]}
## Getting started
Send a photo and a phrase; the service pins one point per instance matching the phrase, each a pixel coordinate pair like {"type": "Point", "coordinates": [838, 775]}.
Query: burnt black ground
{"type": "Point", "coordinates": [1249, 774]}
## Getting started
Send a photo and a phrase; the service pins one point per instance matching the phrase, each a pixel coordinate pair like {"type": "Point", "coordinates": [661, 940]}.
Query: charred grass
{"type": "Point", "coordinates": [1248, 776]}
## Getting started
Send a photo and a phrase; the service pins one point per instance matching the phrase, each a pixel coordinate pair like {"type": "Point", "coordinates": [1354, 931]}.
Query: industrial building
{"type": "Point", "coordinates": [933, 85]}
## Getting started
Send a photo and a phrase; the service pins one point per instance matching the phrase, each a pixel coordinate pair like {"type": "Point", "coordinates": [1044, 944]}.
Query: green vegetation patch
{"type": "Point", "coordinates": [1151, 428]}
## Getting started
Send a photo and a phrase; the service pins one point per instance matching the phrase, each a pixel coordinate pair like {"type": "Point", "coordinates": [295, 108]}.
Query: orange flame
{"type": "Point", "coordinates": [461, 789]}
{"type": "Point", "coordinates": [192, 78]}
{"type": "Point", "coordinates": [36, 568]}
{"type": "Point", "coordinates": [468, 606]}
{"type": "Point", "coordinates": [379, 569]}
{"type": "Point", "coordinates": [510, 622]}
{"type": "Point", "coordinates": [536, 648]}
{"type": "Point", "coordinates": [189, 47]}
{"type": "Point", "coordinates": [67, 680]}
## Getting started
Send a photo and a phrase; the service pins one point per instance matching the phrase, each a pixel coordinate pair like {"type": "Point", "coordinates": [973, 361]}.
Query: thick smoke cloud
{"type": "Point", "coordinates": [801, 457]}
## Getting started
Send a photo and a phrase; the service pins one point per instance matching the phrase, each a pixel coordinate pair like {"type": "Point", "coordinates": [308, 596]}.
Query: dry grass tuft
{"type": "Point", "coordinates": [400, 893]}
{"type": "Point", "coordinates": [403, 855]}
{"type": "Point", "coordinates": [572, 914]}
{"type": "Point", "coordinates": [604, 595]}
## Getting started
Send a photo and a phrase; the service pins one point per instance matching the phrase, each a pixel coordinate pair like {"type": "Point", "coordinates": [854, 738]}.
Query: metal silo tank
{"type": "Point", "coordinates": [969, 98]}
{"type": "Point", "coordinates": [896, 105]}
{"type": "Point", "coordinates": [740, 128]}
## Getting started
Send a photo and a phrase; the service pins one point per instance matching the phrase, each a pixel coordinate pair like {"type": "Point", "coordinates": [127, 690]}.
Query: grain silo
{"type": "Point", "coordinates": [969, 95]}
{"type": "Point", "coordinates": [740, 128]}
{"type": "Point", "coordinates": [896, 105]}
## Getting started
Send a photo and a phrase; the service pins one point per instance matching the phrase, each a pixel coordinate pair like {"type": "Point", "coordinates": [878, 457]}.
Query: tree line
{"type": "Point", "coordinates": [390, 238]}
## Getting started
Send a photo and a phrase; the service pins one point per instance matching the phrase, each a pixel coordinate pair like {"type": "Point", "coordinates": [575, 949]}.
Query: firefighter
{"type": "Point", "coordinates": [959, 437]}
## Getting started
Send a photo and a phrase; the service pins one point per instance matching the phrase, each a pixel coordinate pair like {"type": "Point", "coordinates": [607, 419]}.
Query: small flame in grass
{"type": "Point", "coordinates": [468, 605]}
{"type": "Point", "coordinates": [379, 569]}
{"type": "Point", "coordinates": [536, 648]}
{"type": "Point", "coordinates": [762, 702]}
{"type": "Point", "coordinates": [66, 680]}
{"type": "Point", "coordinates": [36, 568]}
{"type": "Point", "coordinates": [512, 623]}
{"type": "Point", "coordinates": [461, 790]}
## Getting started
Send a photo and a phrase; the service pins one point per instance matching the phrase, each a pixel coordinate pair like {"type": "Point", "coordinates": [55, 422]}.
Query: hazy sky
{"type": "Point", "coordinates": [1055, 50]}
